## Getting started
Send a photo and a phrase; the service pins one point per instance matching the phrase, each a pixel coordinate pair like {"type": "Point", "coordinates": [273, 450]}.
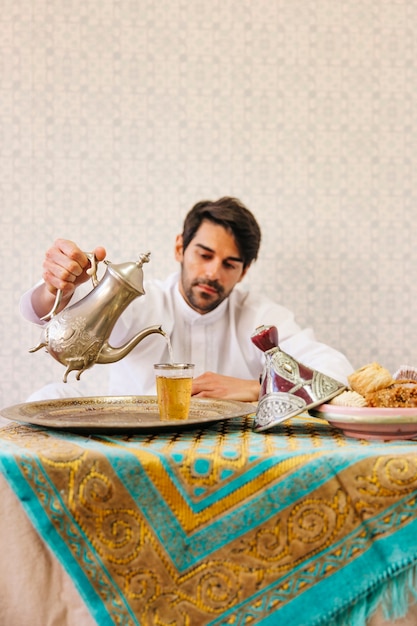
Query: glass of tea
{"type": "Point", "coordinates": [173, 389]}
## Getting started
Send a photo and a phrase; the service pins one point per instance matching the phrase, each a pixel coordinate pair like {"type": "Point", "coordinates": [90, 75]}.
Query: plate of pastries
{"type": "Point", "coordinates": [376, 404]}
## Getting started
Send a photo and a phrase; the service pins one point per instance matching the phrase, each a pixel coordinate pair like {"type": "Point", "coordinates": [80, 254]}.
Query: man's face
{"type": "Point", "coordinates": [210, 266]}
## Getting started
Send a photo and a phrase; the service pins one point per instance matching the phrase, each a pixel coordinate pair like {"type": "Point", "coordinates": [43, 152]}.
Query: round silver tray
{"type": "Point", "coordinates": [121, 413]}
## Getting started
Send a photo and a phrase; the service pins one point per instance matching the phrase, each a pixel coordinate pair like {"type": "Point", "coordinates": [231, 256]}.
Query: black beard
{"type": "Point", "coordinates": [210, 304]}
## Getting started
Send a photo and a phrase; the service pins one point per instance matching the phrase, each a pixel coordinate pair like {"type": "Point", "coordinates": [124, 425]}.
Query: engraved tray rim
{"type": "Point", "coordinates": [120, 413]}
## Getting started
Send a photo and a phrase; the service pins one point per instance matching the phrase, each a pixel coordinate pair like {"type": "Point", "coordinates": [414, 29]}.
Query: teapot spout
{"type": "Point", "coordinates": [109, 354]}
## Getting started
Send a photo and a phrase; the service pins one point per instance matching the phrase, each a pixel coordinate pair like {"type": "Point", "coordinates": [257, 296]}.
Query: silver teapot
{"type": "Point", "coordinates": [78, 336]}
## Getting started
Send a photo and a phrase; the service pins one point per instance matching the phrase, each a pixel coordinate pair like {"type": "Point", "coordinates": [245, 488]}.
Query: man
{"type": "Point", "coordinates": [208, 316]}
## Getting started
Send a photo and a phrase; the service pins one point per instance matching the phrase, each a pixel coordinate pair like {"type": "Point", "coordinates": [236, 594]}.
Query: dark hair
{"type": "Point", "coordinates": [232, 215]}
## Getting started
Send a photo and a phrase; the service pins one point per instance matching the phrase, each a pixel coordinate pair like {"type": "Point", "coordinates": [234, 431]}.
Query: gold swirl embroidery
{"type": "Point", "coordinates": [311, 525]}
{"type": "Point", "coordinates": [388, 478]}
{"type": "Point", "coordinates": [141, 584]}
{"type": "Point", "coordinates": [118, 530]}
{"type": "Point", "coordinates": [316, 520]}
{"type": "Point", "coordinates": [218, 587]}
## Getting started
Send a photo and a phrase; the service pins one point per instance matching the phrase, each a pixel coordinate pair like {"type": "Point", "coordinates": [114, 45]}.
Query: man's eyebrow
{"type": "Point", "coordinates": [236, 259]}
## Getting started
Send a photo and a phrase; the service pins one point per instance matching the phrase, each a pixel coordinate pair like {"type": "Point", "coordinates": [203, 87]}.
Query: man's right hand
{"type": "Point", "coordinates": [64, 267]}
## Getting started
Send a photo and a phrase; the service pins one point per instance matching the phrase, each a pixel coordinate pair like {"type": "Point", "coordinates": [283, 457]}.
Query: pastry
{"type": "Point", "coordinates": [348, 398]}
{"type": "Point", "coordinates": [400, 394]}
{"type": "Point", "coordinates": [370, 378]}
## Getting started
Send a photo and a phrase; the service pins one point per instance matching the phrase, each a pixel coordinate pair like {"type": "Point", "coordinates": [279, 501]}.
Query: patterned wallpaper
{"type": "Point", "coordinates": [116, 116]}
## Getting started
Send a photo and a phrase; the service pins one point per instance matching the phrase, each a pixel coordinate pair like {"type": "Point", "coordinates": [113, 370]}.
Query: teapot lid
{"type": "Point", "coordinates": [131, 272]}
{"type": "Point", "coordinates": [265, 337]}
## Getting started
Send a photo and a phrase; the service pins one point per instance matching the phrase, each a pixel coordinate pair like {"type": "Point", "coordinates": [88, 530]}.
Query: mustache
{"type": "Point", "coordinates": [213, 284]}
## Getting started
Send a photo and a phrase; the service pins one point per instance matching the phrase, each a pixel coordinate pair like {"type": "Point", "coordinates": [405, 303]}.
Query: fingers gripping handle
{"type": "Point", "coordinates": [91, 271]}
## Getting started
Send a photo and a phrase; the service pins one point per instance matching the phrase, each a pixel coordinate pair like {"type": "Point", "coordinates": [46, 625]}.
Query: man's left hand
{"type": "Point", "coordinates": [211, 385]}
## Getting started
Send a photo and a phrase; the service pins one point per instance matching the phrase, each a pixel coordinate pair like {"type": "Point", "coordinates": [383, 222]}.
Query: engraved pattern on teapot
{"type": "Point", "coordinates": [288, 387]}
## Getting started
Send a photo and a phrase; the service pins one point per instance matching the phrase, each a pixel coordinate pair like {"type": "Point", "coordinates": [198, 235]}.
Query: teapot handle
{"type": "Point", "coordinates": [92, 271]}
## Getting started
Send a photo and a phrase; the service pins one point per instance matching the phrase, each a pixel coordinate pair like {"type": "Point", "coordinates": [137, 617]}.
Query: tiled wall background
{"type": "Point", "coordinates": [116, 116]}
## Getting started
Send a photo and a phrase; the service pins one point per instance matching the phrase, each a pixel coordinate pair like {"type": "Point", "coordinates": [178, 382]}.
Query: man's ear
{"type": "Point", "coordinates": [179, 253]}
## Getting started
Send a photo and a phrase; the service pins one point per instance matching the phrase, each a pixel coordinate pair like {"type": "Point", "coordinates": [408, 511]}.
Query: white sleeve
{"type": "Point", "coordinates": [300, 343]}
{"type": "Point", "coordinates": [304, 347]}
{"type": "Point", "coordinates": [25, 305]}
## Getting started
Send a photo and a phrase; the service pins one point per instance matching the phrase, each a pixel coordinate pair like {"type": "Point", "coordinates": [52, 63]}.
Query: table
{"type": "Point", "coordinates": [214, 525]}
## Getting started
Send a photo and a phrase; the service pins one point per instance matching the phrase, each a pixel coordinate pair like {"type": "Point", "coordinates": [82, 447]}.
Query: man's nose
{"type": "Point", "coordinates": [213, 268]}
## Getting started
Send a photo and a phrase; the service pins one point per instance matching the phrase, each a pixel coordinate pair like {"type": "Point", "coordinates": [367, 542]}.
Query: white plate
{"type": "Point", "coordinates": [119, 413]}
{"type": "Point", "coordinates": [370, 423]}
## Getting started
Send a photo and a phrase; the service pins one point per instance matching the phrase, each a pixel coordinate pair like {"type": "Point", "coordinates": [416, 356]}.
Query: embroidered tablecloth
{"type": "Point", "coordinates": [218, 524]}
